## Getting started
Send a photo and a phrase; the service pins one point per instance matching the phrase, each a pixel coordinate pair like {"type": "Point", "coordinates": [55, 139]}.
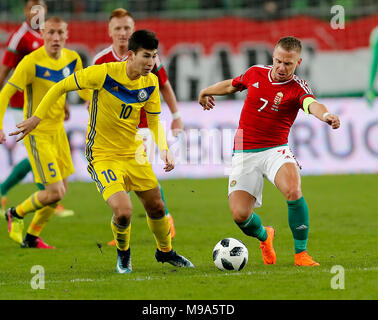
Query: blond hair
{"type": "Point", "coordinates": [290, 44]}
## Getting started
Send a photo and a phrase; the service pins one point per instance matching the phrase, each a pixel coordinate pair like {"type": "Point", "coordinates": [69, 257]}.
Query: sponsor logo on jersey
{"type": "Point", "coordinates": [114, 88]}
{"type": "Point", "coordinates": [256, 85]}
{"type": "Point", "coordinates": [47, 74]}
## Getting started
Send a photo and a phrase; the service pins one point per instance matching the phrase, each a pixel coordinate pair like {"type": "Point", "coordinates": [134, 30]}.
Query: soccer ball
{"type": "Point", "coordinates": [230, 254]}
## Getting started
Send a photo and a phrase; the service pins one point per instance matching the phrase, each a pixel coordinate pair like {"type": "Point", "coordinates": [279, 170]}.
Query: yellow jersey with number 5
{"type": "Point", "coordinates": [115, 108]}
{"type": "Point", "coordinates": [36, 74]}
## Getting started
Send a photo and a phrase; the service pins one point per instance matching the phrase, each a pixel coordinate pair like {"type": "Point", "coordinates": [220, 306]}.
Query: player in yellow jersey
{"type": "Point", "coordinates": [114, 149]}
{"type": "Point", "coordinates": [48, 148]}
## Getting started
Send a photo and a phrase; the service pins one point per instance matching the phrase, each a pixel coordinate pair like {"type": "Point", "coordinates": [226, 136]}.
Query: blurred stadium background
{"type": "Point", "coordinates": [202, 42]}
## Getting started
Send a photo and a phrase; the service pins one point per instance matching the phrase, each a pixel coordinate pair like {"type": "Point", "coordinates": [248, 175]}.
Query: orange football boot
{"type": "Point", "coordinates": [267, 250]}
{"type": "Point", "coordinates": [303, 259]}
{"type": "Point", "coordinates": [172, 226]}
{"type": "Point", "coordinates": [112, 243]}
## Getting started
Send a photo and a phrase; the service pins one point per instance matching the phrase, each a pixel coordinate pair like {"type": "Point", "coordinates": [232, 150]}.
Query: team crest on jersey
{"type": "Point", "coordinates": [66, 72]}
{"type": "Point", "coordinates": [277, 101]}
{"type": "Point", "coordinates": [142, 95]}
{"type": "Point", "coordinates": [233, 183]}
{"type": "Point", "coordinates": [278, 98]}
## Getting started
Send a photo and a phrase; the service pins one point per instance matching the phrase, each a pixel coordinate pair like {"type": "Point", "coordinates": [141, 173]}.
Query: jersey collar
{"type": "Point", "coordinates": [274, 82]}
{"type": "Point", "coordinates": [116, 56]}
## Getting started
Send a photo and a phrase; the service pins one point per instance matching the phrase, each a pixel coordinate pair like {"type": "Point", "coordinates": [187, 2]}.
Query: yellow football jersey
{"type": "Point", "coordinates": [115, 108]}
{"type": "Point", "coordinates": [36, 74]}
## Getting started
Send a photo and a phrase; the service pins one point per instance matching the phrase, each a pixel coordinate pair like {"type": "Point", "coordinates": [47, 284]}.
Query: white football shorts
{"type": "Point", "coordinates": [250, 168]}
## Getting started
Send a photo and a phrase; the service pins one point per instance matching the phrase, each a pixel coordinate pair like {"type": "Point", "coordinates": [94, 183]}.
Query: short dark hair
{"type": "Point", "coordinates": [289, 44]}
{"type": "Point", "coordinates": [143, 39]}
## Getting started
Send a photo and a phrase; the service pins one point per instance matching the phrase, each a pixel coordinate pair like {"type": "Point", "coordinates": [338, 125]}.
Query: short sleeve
{"type": "Point", "coordinates": [304, 91]}
{"type": "Point", "coordinates": [241, 82]}
{"type": "Point", "coordinates": [160, 72]}
{"type": "Point", "coordinates": [12, 55]}
{"type": "Point", "coordinates": [10, 59]}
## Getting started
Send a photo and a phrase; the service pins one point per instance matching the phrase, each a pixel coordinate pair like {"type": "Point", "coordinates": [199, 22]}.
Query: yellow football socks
{"type": "Point", "coordinates": [29, 205]}
{"type": "Point", "coordinates": [121, 235]}
{"type": "Point", "coordinates": [162, 232]}
{"type": "Point", "coordinates": [41, 217]}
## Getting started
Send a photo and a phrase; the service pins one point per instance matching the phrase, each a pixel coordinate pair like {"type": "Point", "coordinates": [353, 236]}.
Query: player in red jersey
{"type": "Point", "coordinates": [23, 41]}
{"type": "Point", "coordinates": [274, 98]}
{"type": "Point", "coordinates": [121, 27]}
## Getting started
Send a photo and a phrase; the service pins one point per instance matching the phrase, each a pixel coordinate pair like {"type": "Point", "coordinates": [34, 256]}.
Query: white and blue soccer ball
{"type": "Point", "coordinates": [230, 254]}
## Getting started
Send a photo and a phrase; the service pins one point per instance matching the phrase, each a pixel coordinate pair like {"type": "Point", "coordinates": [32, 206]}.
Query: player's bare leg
{"type": "Point", "coordinates": [121, 206]}
{"type": "Point", "coordinates": [242, 205]}
{"type": "Point", "coordinates": [159, 225]}
{"type": "Point", "coordinates": [288, 181]}
{"type": "Point", "coordinates": [44, 204]}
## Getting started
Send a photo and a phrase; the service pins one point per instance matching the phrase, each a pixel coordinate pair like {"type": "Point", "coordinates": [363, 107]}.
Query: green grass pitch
{"type": "Point", "coordinates": [343, 231]}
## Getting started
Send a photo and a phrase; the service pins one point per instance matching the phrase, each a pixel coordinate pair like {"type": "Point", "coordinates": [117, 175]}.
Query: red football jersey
{"type": "Point", "coordinates": [109, 55]}
{"type": "Point", "coordinates": [269, 109]}
{"type": "Point", "coordinates": [22, 42]}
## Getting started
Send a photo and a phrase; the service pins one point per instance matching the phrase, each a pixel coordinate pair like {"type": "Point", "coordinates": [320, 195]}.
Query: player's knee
{"type": "Point", "coordinates": [56, 194]}
{"type": "Point", "coordinates": [239, 213]}
{"type": "Point", "coordinates": [293, 194]}
{"type": "Point", "coordinates": [122, 213]}
{"type": "Point", "coordinates": [155, 208]}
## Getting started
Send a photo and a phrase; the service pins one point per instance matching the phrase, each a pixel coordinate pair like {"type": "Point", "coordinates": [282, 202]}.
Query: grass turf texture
{"type": "Point", "coordinates": [343, 231]}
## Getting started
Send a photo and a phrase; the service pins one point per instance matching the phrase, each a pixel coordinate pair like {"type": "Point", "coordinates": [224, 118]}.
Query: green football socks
{"type": "Point", "coordinates": [18, 173]}
{"type": "Point", "coordinates": [299, 223]}
{"type": "Point", "coordinates": [162, 197]}
{"type": "Point", "coordinates": [253, 227]}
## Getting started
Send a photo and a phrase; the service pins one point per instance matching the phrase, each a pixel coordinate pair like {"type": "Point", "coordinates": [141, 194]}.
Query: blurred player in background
{"type": "Point", "coordinates": [116, 158]}
{"type": "Point", "coordinates": [121, 27]}
{"type": "Point", "coordinates": [48, 148]}
{"type": "Point", "coordinates": [370, 93]}
{"type": "Point", "coordinates": [23, 41]}
{"type": "Point", "coordinates": [274, 98]}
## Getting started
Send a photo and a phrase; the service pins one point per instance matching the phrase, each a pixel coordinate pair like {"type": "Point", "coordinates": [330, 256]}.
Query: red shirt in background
{"type": "Point", "coordinates": [22, 42]}
{"type": "Point", "coordinates": [109, 55]}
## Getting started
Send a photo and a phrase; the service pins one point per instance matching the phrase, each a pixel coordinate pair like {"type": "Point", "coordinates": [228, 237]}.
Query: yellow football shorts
{"type": "Point", "coordinates": [121, 174]}
{"type": "Point", "coordinates": [50, 156]}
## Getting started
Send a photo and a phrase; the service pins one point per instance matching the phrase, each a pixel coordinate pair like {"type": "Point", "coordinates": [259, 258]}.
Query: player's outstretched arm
{"type": "Point", "coordinates": [25, 127]}
{"type": "Point", "coordinates": [55, 92]}
{"type": "Point", "coordinates": [169, 96]}
{"type": "Point", "coordinates": [6, 93]}
{"type": "Point", "coordinates": [206, 96]}
{"type": "Point", "coordinates": [321, 112]}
